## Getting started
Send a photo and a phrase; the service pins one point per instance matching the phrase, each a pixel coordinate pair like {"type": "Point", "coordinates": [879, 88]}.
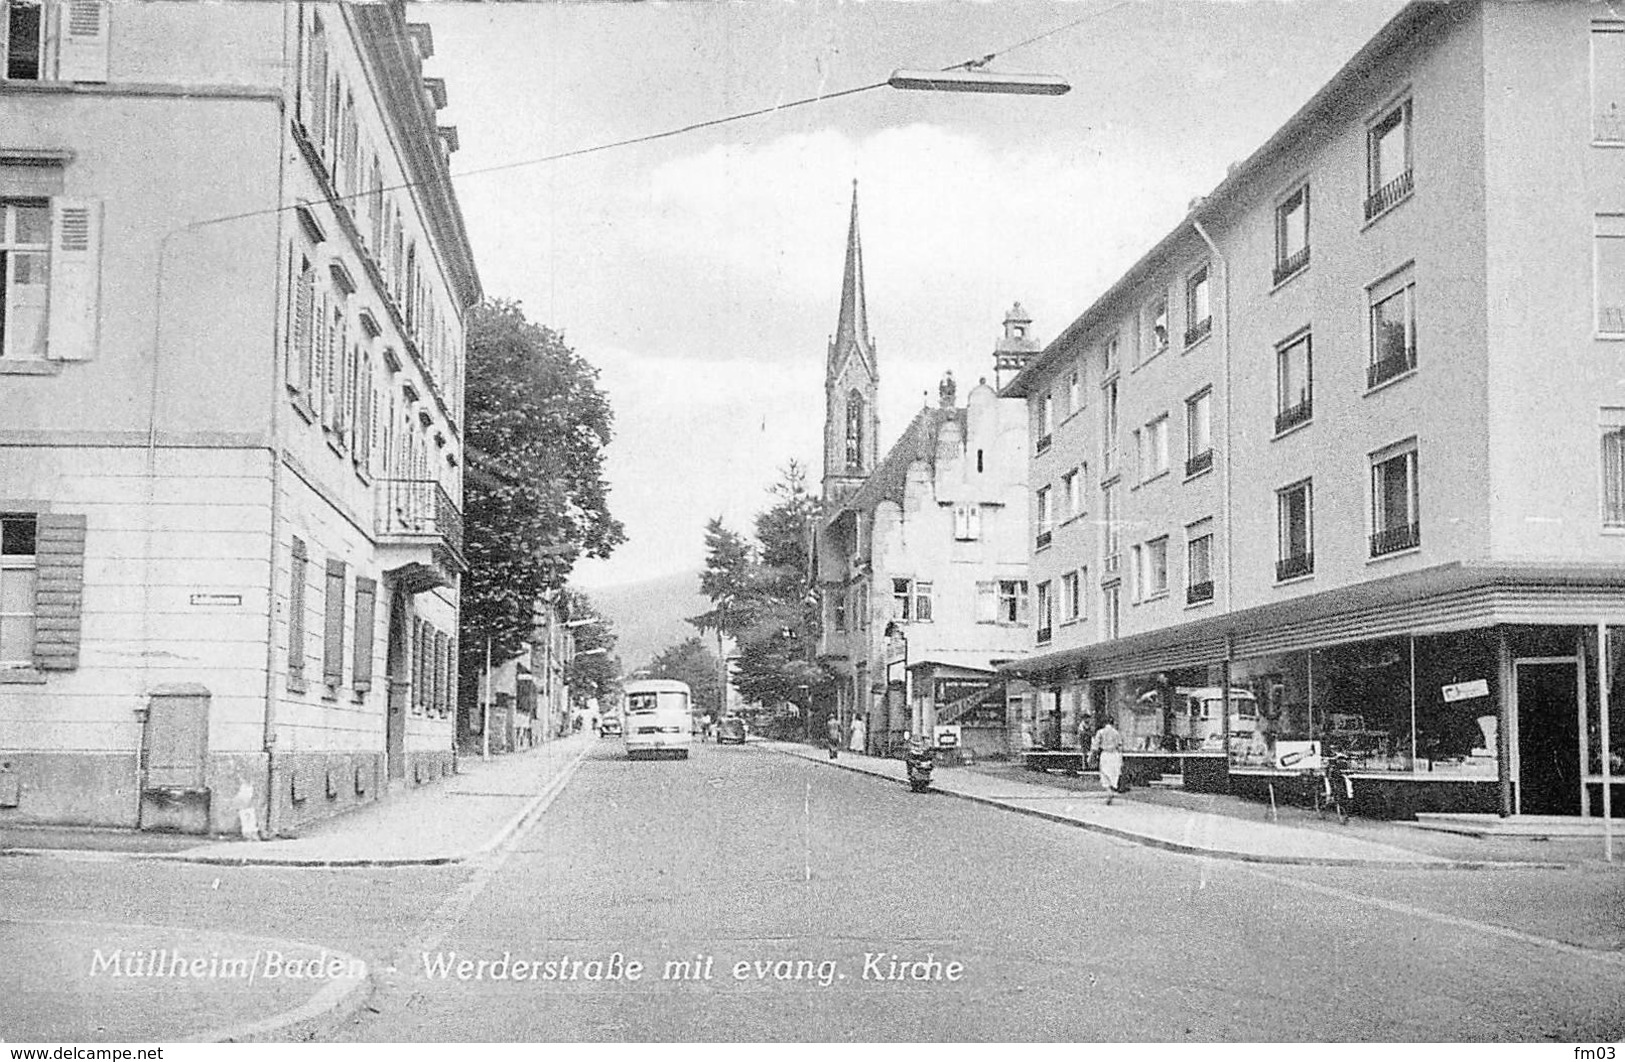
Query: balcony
{"type": "Point", "coordinates": [1394, 539]}
{"type": "Point", "coordinates": [1396, 364]}
{"type": "Point", "coordinates": [1388, 195]}
{"type": "Point", "coordinates": [1043, 442]}
{"type": "Point", "coordinates": [1199, 463]}
{"type": "Point", "coordinates": [1291, 264]}
{"type": "Point", "coordinates": [1043, 540]}
{"type": "Point", "coordinates": [1196, 593]}
{"type": "Point", "coordinates": [1198, 331]}
{"type": "Point", "coordinates": [420, 534]}
{"type": "Point", "coordinates": [1292, 416]}
{"type": "Point", "coordinates": [1299, 564]}
{"type": "Point", "coordinates": [1043, 635]}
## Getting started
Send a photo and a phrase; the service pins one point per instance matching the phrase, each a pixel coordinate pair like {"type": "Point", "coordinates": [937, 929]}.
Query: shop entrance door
{"type": "Point", "coordinates": [1548, 736]}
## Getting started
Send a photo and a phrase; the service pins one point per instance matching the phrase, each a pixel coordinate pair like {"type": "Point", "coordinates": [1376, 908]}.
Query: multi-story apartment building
{"type": "Point", "coordinates": [921, 557]}
{"type": "Point", "coordinates": [1343, 450]}
{"type": "Point", "coordinates": [230, 390]}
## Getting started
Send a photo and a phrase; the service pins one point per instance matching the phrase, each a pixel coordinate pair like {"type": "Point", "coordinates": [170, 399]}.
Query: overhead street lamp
{"type": "Point", "coordinates": [961, 79]}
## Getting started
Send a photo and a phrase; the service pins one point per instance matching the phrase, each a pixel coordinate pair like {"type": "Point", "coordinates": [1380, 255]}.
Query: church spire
{"type": "Point", "coordinates": [853, 326]}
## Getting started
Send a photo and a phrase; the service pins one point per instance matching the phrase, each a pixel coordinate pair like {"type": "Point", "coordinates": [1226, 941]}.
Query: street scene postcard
{"type": "Point", "coordinates": [807, 521]}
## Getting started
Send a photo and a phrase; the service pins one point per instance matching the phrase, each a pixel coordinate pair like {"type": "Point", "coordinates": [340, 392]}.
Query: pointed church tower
{"type": "Point", "coordinates": [851, 382]}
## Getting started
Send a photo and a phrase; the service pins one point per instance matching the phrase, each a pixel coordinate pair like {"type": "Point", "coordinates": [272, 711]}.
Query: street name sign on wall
{"type": "Point", "coordinates": [217, 600]}
{"type": "Point", "coordinates": [1466, 691]}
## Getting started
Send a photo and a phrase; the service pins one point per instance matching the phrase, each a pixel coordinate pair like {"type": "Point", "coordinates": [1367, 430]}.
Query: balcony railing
{"type": "Point", "coordinates": [1291, 264]}
{"type": "Point", "coordinates": [1043, 539]}
{"type": "Point", "coordinates": [1199, 331]}
{"type": "Point", "coordinates": [1199, 463]}
{"type": "Point", "coordinates": [1388, 195]}
{"type": "Point", "coordinates": [1385, 369]}
{"type": "Point", "coordinates": [1394, 539]}
{"type": "Point", "coordinates": [1292, 416]}
{"type": "Point", "coordinates": [1110, 564]}
{"type": "Point", "coordinates": [1043, 635]}
{"type": "Point", "coordinates": [1294, 566]}
{"type": "Point", "coordinates": [1043, 442]}
{"type": "Point", "coordinates": [1198, 592]}
{"type": "Point", "coordinates": [421, 507]}
{"type": "Point", "coordinates": [1611, 320]}
{"type": "Point", "coordinates": [1108, 464]}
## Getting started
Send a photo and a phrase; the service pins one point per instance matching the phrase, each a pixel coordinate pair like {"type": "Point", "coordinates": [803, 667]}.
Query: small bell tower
{"type": "Point", "coordinates": [1015, 348]}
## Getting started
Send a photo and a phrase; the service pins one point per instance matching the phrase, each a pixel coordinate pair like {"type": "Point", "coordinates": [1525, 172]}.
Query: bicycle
{"type": "Point", "coordinates": [1336, 789]}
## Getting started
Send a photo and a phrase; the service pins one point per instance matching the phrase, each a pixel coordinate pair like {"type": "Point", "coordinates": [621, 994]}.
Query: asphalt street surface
{"type": "Point", "coordinates": [767, 898]}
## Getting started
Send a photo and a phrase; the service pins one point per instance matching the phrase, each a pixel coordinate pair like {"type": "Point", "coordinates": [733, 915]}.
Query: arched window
{"type": "Point", "coordinates": [854, 431]}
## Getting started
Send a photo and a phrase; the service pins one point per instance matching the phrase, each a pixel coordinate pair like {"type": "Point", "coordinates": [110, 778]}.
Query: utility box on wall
{"type": "Point", "coordinates": [174, 751]}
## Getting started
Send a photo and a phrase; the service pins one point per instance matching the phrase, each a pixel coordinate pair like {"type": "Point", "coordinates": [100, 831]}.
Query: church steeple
{"type": "Point", "coordinates": [851, 380]}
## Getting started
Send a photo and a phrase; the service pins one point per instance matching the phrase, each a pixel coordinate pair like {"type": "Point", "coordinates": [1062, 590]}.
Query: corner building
{"type": "Point", "coordinates": [1341, 460]}
{"type": "Point", "coordinates": [231, 374]}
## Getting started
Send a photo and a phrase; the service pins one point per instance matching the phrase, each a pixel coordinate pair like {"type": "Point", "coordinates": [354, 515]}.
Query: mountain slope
{"type": "Point", "coordinates": [650, 615]}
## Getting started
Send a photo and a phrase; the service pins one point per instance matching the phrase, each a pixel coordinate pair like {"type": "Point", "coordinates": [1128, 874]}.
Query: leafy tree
{"type": "Point", "coordinates": [535, 500]}
{"type": "Point", "coordinates": [691, 662]}
{"type": "Point", "coordinates": [592, 673]}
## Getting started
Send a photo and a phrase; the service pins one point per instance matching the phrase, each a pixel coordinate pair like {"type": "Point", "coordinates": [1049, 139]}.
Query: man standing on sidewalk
{"type": "Point", "coordinates": [832, 731]}
{"type": "Point", "coordinates": [1108, 748]}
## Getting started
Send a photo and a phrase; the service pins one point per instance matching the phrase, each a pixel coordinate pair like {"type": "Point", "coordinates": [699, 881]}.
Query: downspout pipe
{"type": "Point", "coordinates": [1225, 451]}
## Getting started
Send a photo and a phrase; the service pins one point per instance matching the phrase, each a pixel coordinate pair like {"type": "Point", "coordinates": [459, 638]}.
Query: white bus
{"type": "Point", "coordinates": [657, 718]}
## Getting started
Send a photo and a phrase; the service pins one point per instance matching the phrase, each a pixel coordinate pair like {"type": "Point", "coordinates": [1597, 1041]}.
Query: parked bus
{"type": "Point", "coordinates": [657, 718]}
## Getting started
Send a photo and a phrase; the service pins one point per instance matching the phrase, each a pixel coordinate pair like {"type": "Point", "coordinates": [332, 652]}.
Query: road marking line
{"type": "Point", "coordinates": [1611, 958]}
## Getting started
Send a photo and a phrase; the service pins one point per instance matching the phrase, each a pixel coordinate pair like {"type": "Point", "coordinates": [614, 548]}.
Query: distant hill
{"type": "Point", "coordinates": [651, 615]}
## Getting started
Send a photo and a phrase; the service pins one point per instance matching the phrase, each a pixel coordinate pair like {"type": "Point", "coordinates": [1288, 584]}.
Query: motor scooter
{"type": "Point", "coordinates": [919, 759]}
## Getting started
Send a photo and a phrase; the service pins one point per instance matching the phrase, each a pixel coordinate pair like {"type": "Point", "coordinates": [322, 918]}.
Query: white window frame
{"type": "Point", "coordinates": [1407, 451]}
{"type": "Point", "coordinates": [1376, 178]}
{"type": "Point", "coordinates": [1611, 484]}
{"type": "Point", "coordinates": [1111, 611]}
{"type": "Point", "coordinates": [1012, 602]}
{"type": "Point", "coordinates": [1608, 320]}
{"type": "Point", "coordinates": [1607, 127]}
{"type": "Point", "coordinates": [1283, 545]}
{"type": "Point", "coordinates": [1401, 283]}
{"type": "Point", "coordinates": [1199, 424]}
{"type": "Point", "coordinates": [1286, 400]}
{"type": "Point", "coordinates": [10, 248]}
{"type": "Point", "coordinates": [1044, 628]}
{"type": "Point", "coordinates": [1074, 393]}
{"type": "Point", "coordinates": [1045, 514]}
{"type": "Point", "coordinates": [1198, 304]}
{"type": "Point", "coordinates": [42, 58]}
{"type": "Point", "coordinates": [1285, 252]}
{"type": "Point", "coordinates": [1157, 581]}
{"type": "Point", "coordinates": [1157, 341]}
{"type": "Point", "coordinates": [967, 521]}
{"type": "Point", "coordinates": [1196, 534]}
{"type": "Point", "coordinates": [1072, 596]}
{"type": "Point", "coordinates": [24, 562]}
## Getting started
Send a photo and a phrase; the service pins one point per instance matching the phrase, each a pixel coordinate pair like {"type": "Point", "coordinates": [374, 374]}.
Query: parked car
{"type": "Point", "coordinates": [610, 727]}
{"type": "Point", "coordinates": [731, 729]}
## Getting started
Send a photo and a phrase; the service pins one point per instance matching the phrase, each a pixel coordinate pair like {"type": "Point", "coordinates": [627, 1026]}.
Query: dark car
{"type": "Point", "coordinates": [731, 729]}
{"type": "Point", "coordinates": [610, 727]}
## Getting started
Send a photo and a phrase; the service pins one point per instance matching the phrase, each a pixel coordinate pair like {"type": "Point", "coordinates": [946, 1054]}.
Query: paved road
{"type": "Point", "coordinates": [799, 872]}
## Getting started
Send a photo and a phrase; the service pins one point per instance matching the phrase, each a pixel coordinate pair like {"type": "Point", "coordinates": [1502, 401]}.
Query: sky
{"type": "Point", "coordinates": [701, 273]}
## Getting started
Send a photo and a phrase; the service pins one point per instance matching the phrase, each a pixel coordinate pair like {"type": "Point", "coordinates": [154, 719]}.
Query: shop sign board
{"type": "Point", "coordinates": [1297, 755]}
{"type": "Point", "coordinates": [948, 737]}
{"type": "Point", "coordinates": [1466, 691]}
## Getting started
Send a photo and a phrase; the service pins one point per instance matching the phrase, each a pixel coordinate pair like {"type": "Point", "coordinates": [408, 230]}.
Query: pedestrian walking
{"type": "Point", "coordinates": [860, 735]}
{"type": "Point", "coordinates": [1107, 750]}
{"type": "Point", "coordinates": [832, 730]}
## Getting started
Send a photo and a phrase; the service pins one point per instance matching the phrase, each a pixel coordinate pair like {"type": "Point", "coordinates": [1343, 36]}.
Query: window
{"type": "Point", "coordinates": [1609, 263]}
{"type": "Point", "coordinates": [911, 600]}
{"type": "Point", "coordinates": [1294, 383]}
{"type": "Point", "coordinates": [1388, 160]}
{"type": "Point", "coordinates": [18, 581]}
{"type": "Point", "coordinates": [1199, 562]}
{"type": "Point", "coordinates": [1199, 432]}
{"type": "Point", "coordinates": [333, 631]}
{"type": "Point", "coordinates": [1046, 421]}
{"type": "Point", "coordinates": [1292, 234]}
{"type": "Point", "coordinates": [1072, 492]}
{"type": "Point", "coordinates": [1071, 600]}
{"type": "Point", "coordinates": [1613, 468]}
{"type": "Point", "coordinates": [1011, 601]}
{"type": "Point", "coordinates": [1110, 608]}
{"type": "Point", "coordinates": [1395, 523]}
{"type": "Point", "coordinates": [25, 272]}
{"type": "Point", "coordinates": [968, 522]}
{"type": "Point", "coordinates": [1198, 307]}
{"type": "Point", "coordinates": [1046, 606]}
{"type": "Point", "coordinates": [22, 39]}
{"type": "Point", "coordinates": [1108, 520]}
{"type": "Point", "coordinates": [1608, 83]}
{"type": "Point", "coordinates": [1393, 328]}
{"type": "Point", "coordinates": [296, 615]}
{"type": "Point", "coordinates": [1046, 516]}
{"type": "Point", "coordinates": [1157, 321]}
{"type": "Point", "coordinates": [1108, 432]}
{"type": "Point", "coordinates": [1151, 569]}
{"type": "Point", "coordinates": [1074, 392]}
{"type": "Point", "coordinates": [366, 598]}
{"type": "Point", "coordinates": [1295, 549]}
{"type": "Point", "coordinates": [854, 432]}
{"type": "Point", "coordinates": [1109, 355]}
{"type": "Point", "coordinates": [1152, 446]}
{"type": "Point", "coordinates": [838, 611]}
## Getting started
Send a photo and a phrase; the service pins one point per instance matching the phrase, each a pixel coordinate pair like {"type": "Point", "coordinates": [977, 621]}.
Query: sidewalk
{"type": "Point", "coordinates": [464, 816]}
{"type": "Point", "coordinates": [1146, 819]}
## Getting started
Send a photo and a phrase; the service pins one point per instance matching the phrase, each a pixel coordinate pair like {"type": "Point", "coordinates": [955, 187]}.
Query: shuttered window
{"type": "Point", "coordinates": [1613, 468]}
{"type": "Point", "coordinates": [441, 672]}
{"type": "Point", "coordinates": [316, 82]}
{"type": "Point", "coordinates": [366, 597]}
{"type": "Point", "coordinates": [418, 630]}
{"type": "Point", "coordinates": [296, 615]}
{"type": "Point", "coordinates": [333, 628]}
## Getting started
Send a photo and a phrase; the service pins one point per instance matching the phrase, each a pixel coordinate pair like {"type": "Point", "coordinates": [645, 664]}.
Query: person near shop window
{"type": "Point", "coordinates": [1106, 750]}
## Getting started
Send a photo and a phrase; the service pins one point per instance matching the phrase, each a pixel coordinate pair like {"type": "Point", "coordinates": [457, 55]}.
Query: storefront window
{"type": "Point", "coordinates": [1362, 703]}
{"type": "Point", "coordinates": [1270, 703]}
{"type": "Point", "coordinates": [1616, 717]}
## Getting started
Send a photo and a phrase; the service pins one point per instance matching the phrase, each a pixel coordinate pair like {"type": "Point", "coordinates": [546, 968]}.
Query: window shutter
{"type": "Point", "coordinates": [441, 672]}
{"type": "Point", "coordinates": [333, 634]}
{"type": "Point", "coordinates": [59, 549]}
{"type": "Point", "coordinates": [451, 674]}
{"type": "Point", "coordinates": [987, 602]}
{"type": "Point", "coordinates": [304, 308]}
{"type": "Point", "coordinates": [366, 596]}
{"type": "Point", "coordinates": [83, 37]}
{"type": "Point", "coordinates": [296, 614]}
{"type": "Point", "coordinates": [76, 237]}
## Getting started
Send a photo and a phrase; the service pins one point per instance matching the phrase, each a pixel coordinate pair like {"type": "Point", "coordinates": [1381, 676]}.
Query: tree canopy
{"type": "Point", "coordinates": [691, 662]}
{"type": "Point", "coordinates": [535, 499]}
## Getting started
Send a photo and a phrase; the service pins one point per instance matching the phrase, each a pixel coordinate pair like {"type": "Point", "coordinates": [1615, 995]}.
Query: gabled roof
{"type": "Point", "coordinates": [918, 442]}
